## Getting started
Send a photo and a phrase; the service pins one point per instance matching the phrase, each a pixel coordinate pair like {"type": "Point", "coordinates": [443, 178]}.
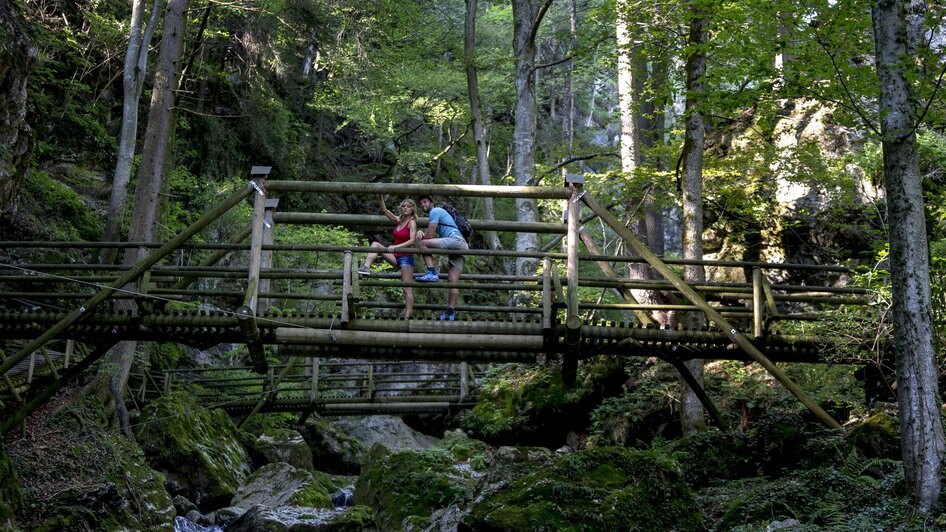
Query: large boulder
{"type": "Point", "coordinates": [389, 431]}
{"type": "Point", "coordinates": [604, 489]}
{"type": "Point", "coordinates": [332, 450]}
{"type": "Point", "coordinates": [198, 450]}
{"type": "Point", "coordinates": [281, 484]}
{"type": "Point", "coordinates": [284, 445]}
{"type": "Point", "coordinates": [416, 488]}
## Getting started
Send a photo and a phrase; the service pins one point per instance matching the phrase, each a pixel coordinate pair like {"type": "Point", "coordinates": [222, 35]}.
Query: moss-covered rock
{"type": "Point", "coordinates": [332, 450]}
{"type": "Point", "coordinates": [284, 445]}
{"type": "Point", "coordinates": [516, 403]}
{"type": "Point", "coordinates": [877, 436]}
{"type": "Point", "coordinates": [402, 484]}
{"type": "Point", "coordinates": [600, 489]}
{"type": "Point", "coordinates": [281, 484]}
{"type": "Point", "coordinates": [199, 450]}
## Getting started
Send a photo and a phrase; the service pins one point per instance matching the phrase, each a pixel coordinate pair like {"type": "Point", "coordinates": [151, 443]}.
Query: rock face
{"type": "Point", "coordinates": [16, 141]}
{"type": "Point", "coordinates": [285, 445]}
{"type": "Point", "coordinates": [198, 450]}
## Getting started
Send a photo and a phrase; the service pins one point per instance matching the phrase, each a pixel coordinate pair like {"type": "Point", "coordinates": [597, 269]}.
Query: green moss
{"type": "Point", "coordinates": [202, 446]}
{"type": "Point", "coordinates": [877, 436]}
{"type": "Point", "coordinates": [408, 483]}
{"type": "Point", "coordinates": [601, 489]}
{"type": "Point", "coordinates": [357, 518]}
{"type": "Point", "coordinates": [313, 495]}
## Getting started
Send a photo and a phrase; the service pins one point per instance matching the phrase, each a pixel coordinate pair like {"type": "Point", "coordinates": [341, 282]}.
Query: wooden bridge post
{"type": "Point", "coordinates": [70, 346]}
{"type": "Point", "coordinates": [29, 373]}
{"type": "Point", "coordinates": [346, 287]}
{"type": "Point", "coordinates": [266, 255]}
{"type": "Point", "coordinates": [757, 309]}
{"type": "Point", "coordinates": [258, 174]}
{"type": "Point", "coordinates": [572, 319]}
{"type": "Point", "coordinates": [370, 380]}
{"type": "Point", "coordinates": [314, 390]}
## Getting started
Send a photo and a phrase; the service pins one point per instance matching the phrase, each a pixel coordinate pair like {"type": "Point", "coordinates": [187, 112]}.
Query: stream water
{"type": "Point", "coordinates": [341, 500]}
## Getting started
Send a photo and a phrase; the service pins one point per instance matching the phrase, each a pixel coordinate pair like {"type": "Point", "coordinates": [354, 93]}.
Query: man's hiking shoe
{"type": "Point", "coordinates": [447, 317]}
{"type": "Point", "coordinates": [428, 277]}
{"type": "Point", "coordinates": [363, 270]}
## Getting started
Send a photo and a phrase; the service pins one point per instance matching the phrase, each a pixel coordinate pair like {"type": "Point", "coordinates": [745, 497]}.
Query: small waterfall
{"type": "Point", "coordinates": [182, 524]}
{"type": "Point", "coordinates": [344, 498]}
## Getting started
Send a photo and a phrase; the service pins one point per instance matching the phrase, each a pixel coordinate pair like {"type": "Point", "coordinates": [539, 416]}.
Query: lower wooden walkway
{"type": "Point", "coordinates": [305, 300]}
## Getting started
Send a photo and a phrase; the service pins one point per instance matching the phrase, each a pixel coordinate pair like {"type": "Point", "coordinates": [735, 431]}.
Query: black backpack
{"type": "Point", "coordinates": [462, 223]}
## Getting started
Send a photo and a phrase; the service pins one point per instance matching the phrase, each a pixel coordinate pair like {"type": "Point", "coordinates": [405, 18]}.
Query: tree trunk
{"type": "Point", "coordinates": [526, 20]}
{"type": "Point", "coordinates": [136, 64]}
{"type": "Point", "coordinates": [479, 130]}
{"type": "Point", "coordinates": [691, 410]}
{"type": "Point", "coordinates": [921, 428]}
{"type": "Point", "coordinates": [114, 378]}
{"type": "Point", "coordinates": [628, 69]}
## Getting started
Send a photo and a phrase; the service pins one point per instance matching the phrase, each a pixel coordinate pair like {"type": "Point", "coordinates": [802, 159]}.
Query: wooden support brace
{"type": "Point", "coordinates": [710, 312]}
{"type": "Point", "coordinates": [251, 334]}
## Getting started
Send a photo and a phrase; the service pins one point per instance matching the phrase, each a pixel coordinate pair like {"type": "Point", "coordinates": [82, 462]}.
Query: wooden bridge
{"type": "Point", "coordinates": [203, 293]}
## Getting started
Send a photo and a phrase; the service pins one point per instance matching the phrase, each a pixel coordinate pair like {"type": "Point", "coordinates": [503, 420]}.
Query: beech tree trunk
{"type": "Point", "coordinates": [691, 409]}
{"type": "Point", "coordinates": [527, 16]}
{"type": "Point", "coordinates": [136, 65]}
{"type": "Point", "coordinates": [479, 130]}
{"type": "Point", "coordinates": [921, 428]}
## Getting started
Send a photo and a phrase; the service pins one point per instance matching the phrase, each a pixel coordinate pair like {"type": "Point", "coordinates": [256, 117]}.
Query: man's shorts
{"type": "Point", "coordinates": [454, 242]}
{"type": "Point", "coordinates": [405, 260]}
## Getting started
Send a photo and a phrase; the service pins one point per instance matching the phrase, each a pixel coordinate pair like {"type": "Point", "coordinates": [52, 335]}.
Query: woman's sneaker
{"type": "Point", "coordinates": [448, 317]}
{"type": "Point", "coordinates": [363, 270]}
{"type": "Point", "coordinates": [429, 277]}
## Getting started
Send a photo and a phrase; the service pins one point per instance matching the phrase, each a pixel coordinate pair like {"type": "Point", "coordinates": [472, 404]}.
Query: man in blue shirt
{"type": "Point", "coordinates": [441, 233]}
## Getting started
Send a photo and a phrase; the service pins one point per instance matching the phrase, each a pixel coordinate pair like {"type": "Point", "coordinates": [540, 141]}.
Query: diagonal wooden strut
{"type": "Point", "coordinates": [710, 312]}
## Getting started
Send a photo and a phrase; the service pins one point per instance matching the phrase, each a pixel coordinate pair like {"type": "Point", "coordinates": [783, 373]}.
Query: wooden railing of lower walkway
{"type": "Point", "coordinates": [233, 299]}
{"type": "Point", "coordinates": [319, 386]}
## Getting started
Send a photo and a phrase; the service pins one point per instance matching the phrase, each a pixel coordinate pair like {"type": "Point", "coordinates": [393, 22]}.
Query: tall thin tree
{"type": "Point", "coordinates": [921, 428]}
{"type": "Point", "coordinates": [133, 76]}
{"type": "Point", "coordinates": [691, 410]}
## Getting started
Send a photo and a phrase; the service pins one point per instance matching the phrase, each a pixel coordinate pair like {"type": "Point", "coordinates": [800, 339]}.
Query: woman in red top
{"type": "Point", "coordinates": [405, 229]}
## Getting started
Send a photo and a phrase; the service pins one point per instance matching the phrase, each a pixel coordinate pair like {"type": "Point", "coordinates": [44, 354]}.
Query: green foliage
{"type": "Point", "coordinates": [166, 355]}
{"type": "Point", "coordinates": [59, 210]}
